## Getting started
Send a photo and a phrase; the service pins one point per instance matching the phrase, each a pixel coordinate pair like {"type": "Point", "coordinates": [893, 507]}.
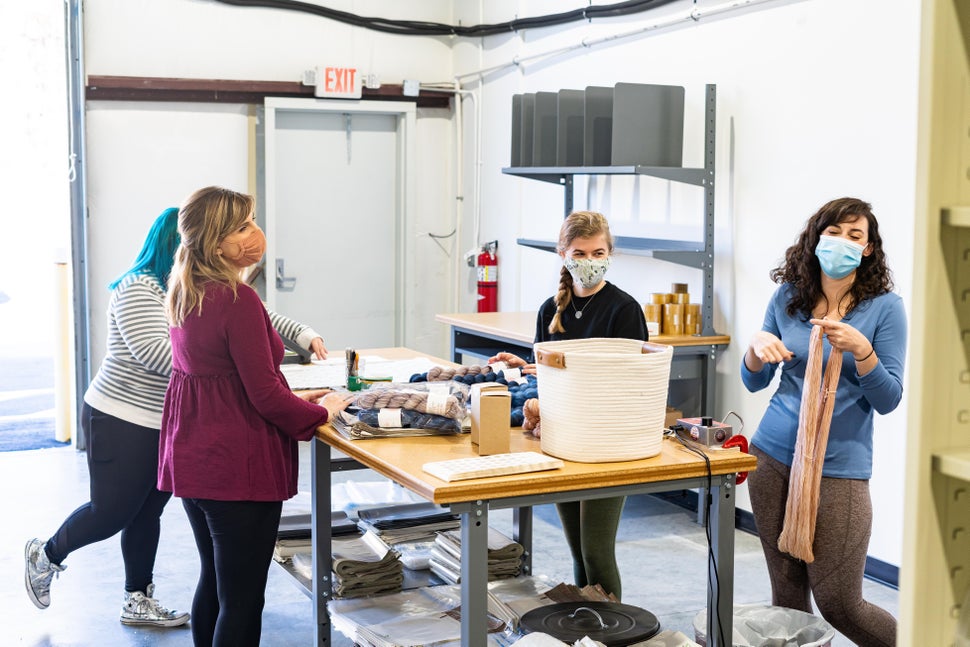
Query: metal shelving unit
{"type": "Point", "coordinates": [696, 254]}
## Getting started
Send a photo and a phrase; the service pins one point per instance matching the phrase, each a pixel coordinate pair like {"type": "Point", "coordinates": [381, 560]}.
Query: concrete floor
{"type": "Point", "coordinates": [661, 552]}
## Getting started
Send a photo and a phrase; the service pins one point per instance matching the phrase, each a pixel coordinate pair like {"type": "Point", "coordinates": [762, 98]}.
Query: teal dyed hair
{"type": "Point", "coordinates": [158, 251]}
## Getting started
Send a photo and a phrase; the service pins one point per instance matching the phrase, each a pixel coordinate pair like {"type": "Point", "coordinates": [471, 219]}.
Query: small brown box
{"type": "Point", "coordinates": [491, 410]}
{"type": "Point", "coordinates": [672, 416]}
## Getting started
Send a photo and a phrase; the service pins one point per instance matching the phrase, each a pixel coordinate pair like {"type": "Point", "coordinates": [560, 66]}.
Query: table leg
{"type": "Point", "coordinates": [522, 533]}
{"type": "Point", "coordinates": [707, 367]}
{"type": "Point", "coordinates": [720, 578]}
{"type": "Point", "coordinates": [474, 574]}
{"type": "Point", "coordinates": [321, 539]}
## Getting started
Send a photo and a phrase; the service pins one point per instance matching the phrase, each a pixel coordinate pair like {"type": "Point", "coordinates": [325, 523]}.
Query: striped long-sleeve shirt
{"type": "Point", "coordinates": [133, 377]}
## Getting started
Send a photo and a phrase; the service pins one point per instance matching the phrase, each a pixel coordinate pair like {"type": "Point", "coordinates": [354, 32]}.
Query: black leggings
{"type": "Point", "coordinates": [123, 467]}
{"type": "Point", "coordinates": [842, 529]}
{"type": "Point", "coordinates": [235, 541]}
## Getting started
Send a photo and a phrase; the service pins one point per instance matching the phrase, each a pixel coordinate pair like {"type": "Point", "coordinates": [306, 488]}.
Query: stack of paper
{"type": "Point", "coordinates": [504, 556]}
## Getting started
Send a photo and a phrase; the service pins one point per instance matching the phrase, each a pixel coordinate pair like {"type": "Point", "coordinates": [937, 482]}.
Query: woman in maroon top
{"type": "Point", "coordinates": [230, 425]}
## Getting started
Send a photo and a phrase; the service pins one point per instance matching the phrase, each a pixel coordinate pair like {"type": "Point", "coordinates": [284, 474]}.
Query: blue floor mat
{"type": "Point", "coordinates": [28, 434]}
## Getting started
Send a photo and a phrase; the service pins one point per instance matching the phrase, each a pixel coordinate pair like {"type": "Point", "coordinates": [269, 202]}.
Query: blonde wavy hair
{"type": "Point", "coordinates": [205, 219]}
{"type": "Point", "coordinates": [578, 224]}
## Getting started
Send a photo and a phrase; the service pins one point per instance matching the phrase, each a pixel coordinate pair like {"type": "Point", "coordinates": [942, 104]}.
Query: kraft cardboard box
{"type": "Point", "coordinates": [491, 408]}
{"type": "Point", "coordinates": [672, 416]}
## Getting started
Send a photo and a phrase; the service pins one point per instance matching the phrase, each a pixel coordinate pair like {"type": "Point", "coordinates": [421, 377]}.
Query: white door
{"type": "Point", "coordinates": [336, 218]}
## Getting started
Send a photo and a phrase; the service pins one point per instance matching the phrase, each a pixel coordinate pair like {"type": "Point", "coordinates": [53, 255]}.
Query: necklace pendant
{"type": "Point", "coordinates": [579, 314]}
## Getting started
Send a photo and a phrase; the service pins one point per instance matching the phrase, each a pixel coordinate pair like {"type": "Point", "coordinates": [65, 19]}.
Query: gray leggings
{"type": "Point", "coordinates": [842, 530]}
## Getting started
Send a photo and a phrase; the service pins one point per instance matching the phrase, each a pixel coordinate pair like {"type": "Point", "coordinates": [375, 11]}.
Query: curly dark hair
{"type": "Point", "coordinates": [802, 271]}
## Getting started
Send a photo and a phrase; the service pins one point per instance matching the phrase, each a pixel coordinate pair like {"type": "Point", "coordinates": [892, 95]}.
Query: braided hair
{"type": "Point", "coordinates": [578, 224]}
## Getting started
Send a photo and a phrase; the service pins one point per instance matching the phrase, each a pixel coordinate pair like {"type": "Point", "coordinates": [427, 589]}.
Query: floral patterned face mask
{"type": "Point", "coordinates": [588, 272]}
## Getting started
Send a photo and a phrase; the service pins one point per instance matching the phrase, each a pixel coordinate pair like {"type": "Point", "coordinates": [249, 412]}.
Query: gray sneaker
{"type": "Point", "coordinates": [143, 609]}
{"type": "Point", "coordinates": [38, 573]}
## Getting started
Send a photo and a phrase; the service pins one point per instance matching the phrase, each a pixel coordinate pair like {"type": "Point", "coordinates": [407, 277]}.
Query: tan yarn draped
{"type": "Point", "coordinates": [442, 373]}
{"type": "Point", "coordinates": [814, 420]}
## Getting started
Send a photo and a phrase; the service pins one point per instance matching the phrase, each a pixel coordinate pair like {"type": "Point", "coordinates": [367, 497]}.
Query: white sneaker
{"type": "Point", "coordinates": [38, 573]}
{"type": "Point", "coordinates": [143, 609]}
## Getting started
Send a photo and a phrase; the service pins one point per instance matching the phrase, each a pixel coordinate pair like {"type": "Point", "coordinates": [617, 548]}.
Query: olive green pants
{"type": "Point", "coordinates": [590, 527]}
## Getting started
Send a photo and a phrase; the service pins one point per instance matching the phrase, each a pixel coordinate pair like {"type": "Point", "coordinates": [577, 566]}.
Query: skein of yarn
{"type": "Point", "coordinates": [530, 411]}
{"type": "Point", "coordinates": [444, 399]}
{"type": "Point", "coordinates": [439, 373]}
{"type": "Point", "coordinates": [814, 420]}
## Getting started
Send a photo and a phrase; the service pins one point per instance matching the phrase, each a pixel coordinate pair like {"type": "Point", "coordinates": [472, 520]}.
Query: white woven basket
{"type": "Point", "coordinates": [602, 400]}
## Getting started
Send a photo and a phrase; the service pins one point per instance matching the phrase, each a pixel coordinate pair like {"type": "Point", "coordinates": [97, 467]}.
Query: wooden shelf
{"type": "Point", "coordinates": [956, 216]}
{"type": "Point", "coordinates": [953, 462]}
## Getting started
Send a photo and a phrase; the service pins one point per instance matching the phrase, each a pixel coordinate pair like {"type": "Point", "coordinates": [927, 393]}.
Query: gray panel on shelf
{"type": "Point", "coordinates": [598, 127]}
{"type": "Point", "coordinates": [528, 116]}
{"type": "Point", "coordinates": [516, 159]}
{"type": "Point", "coordinates": [648, 125]}
{"type": "Point", "coordinates": [571, 131]}
{"type": "Point", "coordinates": [544, 129]}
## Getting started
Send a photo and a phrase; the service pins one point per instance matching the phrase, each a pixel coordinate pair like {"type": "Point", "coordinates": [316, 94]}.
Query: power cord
{"type": "Point", "coordinates": [425, 28]}
{"type": "Point", "coordinates": [675, 431]}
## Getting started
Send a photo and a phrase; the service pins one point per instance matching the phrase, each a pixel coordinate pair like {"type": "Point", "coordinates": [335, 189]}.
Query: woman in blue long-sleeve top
{"type": "Point", "coordinates": [834, 276]}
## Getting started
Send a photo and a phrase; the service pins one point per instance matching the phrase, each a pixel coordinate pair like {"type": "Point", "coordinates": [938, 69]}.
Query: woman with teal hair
{"type": "Point", "coordinates": [120, 419]}
{"type": "Point", "coordinates": [158, 252]}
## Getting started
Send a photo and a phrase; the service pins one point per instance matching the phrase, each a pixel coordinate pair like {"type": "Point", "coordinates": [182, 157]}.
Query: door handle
{"type": "Point", "coordinates": [284, 282]}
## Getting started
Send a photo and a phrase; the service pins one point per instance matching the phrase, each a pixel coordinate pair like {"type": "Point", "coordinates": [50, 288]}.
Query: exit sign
{"type": "Point", "coordinates": [338, 82]}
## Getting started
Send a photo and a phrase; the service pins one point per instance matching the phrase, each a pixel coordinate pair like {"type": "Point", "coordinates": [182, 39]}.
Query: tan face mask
{"type": "Point", "coordinates": [248, 251]}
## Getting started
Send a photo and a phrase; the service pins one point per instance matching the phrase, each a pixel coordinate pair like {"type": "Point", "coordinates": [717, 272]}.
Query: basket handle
{"type": "Point", "coordinates": [551, 358]}
{"type": "Point", "coordinates": [652, 347]}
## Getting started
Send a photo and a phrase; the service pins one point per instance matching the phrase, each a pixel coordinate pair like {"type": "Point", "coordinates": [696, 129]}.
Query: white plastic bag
{"type": "Point", "coordinates": [768, 626]}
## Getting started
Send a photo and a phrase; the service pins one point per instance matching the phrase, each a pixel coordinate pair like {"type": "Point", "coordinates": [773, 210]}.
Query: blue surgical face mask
{"type": "Point", "coordinates": [588, 272]}
{"type": "Point", "coordinates": [838, 256]}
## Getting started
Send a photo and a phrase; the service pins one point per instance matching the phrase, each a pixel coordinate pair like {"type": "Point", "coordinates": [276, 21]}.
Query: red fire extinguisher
{"type": "Point", "coordinates": [488, 277]}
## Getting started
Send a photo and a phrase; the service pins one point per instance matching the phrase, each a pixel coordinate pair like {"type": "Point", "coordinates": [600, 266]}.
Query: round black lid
{"type": "Point", "coordinates": [612, 623]}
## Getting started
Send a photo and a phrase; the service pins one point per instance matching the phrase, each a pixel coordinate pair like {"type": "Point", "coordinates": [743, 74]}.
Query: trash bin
{"type": "Point", "coordinates": [767, 626]}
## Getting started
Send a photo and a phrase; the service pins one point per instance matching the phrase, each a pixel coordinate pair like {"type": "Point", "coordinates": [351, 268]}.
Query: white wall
{"type": "Point", "coordinates": [144, 157]}
{"type": "Point", "coordinates": [816, 99]}
{"type": "Point", "coordinates": [814, 102]}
